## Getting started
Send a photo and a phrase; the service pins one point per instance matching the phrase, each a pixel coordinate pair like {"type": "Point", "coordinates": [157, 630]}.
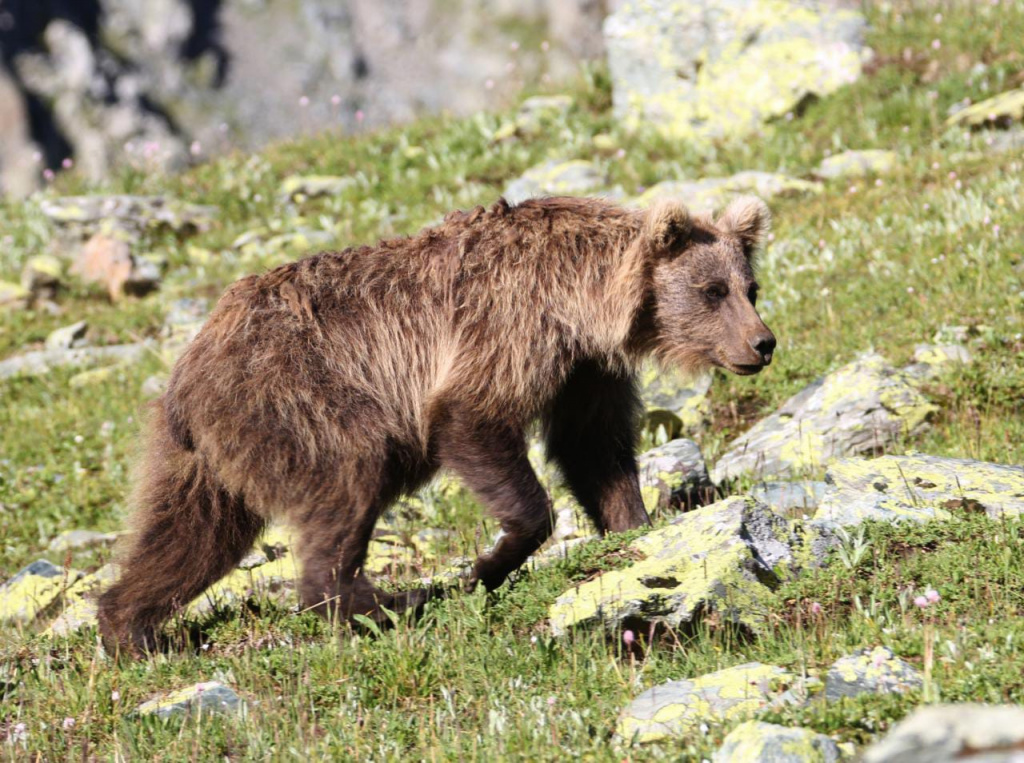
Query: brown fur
{"type": "Point", "coordinates": [322, 390]}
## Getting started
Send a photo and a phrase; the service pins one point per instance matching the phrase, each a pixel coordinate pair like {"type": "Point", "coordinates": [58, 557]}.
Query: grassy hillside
{"type": "Point", "coordinates": [879, 263]}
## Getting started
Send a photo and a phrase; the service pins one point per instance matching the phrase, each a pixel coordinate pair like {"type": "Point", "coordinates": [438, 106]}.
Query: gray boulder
{"type": "Point", "coordinates": [770, 743]}
{"type": "Point", "coordinates": [947, 733]}
{"type": "Point", "coordinates": [556, 178]}
{"type": "Point", "coordinates": [860, 408]}
{"type": "Point", "coordinates": [870, 671]}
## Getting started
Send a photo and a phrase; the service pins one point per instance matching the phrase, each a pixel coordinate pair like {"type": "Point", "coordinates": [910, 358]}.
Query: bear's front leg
{"type": "Point", "coordinates": [591, 433]}
{"type": "Point", "coordinates": [490, 458]}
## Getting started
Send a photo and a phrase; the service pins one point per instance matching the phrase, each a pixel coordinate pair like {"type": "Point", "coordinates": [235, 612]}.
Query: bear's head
{"type": "Point", "coordinates": [702, 292]}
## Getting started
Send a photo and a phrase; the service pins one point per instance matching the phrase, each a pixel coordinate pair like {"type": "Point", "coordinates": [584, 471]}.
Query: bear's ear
{"type": "Point", "coordinates": [667, 225]}
{"type": "Point", "coordinates": [747, 218]}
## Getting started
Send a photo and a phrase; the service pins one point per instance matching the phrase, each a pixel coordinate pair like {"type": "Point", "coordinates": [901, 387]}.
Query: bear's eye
{"type": "Point", "coordinates": [752, 294]}
{"type": "Point", "coordinates": [716, 292]}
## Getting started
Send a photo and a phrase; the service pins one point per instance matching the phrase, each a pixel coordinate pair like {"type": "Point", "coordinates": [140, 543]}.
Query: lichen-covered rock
{"type": "Point", "coordinates": [536, 112]}
{"type": "Point", "coordinates": [42, 276]}
{"type": "Point", "coordinates": [870, 671]}
{"type": "Point", "coordinates": [931, 360]}
{"type": "Point", "coordinates": [677, 708]}
{"type": "Point", "coordinates": [674, 403]}
{"type": "Point", "coordinates": [207, 697]}
{"type": "Point", "coordinates": [720, 558]}
{"type": "Point", "coordinates": [14, 296]}
{"type": "Point", "coordinates": [67, 337]}
{"type": "Point", "coordinates": [673, 474]}
{"type": "Point", "coordinates": [862, 407]}
{"type": "Point", "coordinates": [298, 187]}
{"type": "Point", "coordinates": [73, 540]}
{"type": "Point", "coordinates": [43, 361]}
{"type": "Point", "coordinates": [80, 609]}
{"type": "Point", "coordinates": [919, 487]}
{"type": "Point", "coordinates": [851, 164]}
{"type": "Point", "coordinates": [1002, 109]}
{"type": "Point", "coordinates": [759, 742]}
{"type": "Point", "coordinates": [710, 69]}
{"type": "Point", "coordinates": [556, 178]}
{"type": "Point", "coordinates": [710, 194]}
{"type": "Point", "coordinates": [947, 733]}
{"type": "Point", "coordinates": [790, 497]}
{"type": "Point", "coordinates": [33, 590]}
{"type": "Point", "coordinates": [126, 214]}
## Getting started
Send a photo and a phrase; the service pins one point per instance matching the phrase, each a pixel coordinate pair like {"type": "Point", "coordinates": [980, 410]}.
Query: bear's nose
{"type": "Point", "coordinates": [763, 345]}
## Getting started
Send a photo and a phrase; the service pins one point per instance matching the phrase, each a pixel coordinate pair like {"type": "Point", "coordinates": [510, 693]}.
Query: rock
{"type": "Point", "coordinates": [128, 215]}
{"type": "Point", "coordinates": [154, 386]}
{"type": "Point", "coordinates": [13, 296]}
{"type": "Point", "coordinates": [1005, 140]}
{"type": "Point", "coordinates": [712, 194]}
{"type": "Point", "coordinates": [33, 590]}
{"type": "Point", "coordinates": [678, 708]}
{"type": "Point", "coordinates": [80, 608]}
{"type": "Point", "coordinates": [571, 521]}
{"type": "Point", "coordinates": [720, 558]}
{"type": "Point", "coordinates": [870, 671]}
{"type": "Point", "coordinates": [919, 487]}
{"type": "Point", "coordinates": [73, 540]}
{"type": "Point", "coordinates": [109, 261]}
{"type": "Point", "coordinates": [67, 337]}
{"type": "Point", "coordinates": [851, 164]}
{"type": "Point", "coordinates": [674, 403]}
{"type": "Point", "coordinates": [1001, 110]}
{"type": "Point", "coordinates": [42, 277]}
{"type": "Point", "coordinates": [184, 319]}
{"type": "Point", "coordinates": [947, 733]}
{"type": "Point", "coordinates": [930, 360]}
{"type": "Point", "coordinates": [758, 742]}
{"type": "Point", "coordinates": [802, 496]}
{"type": "Point", "coordinates": [43, 361]}
{"type": "Point", "coordinates": [673, 474]}
{"type": "Point", "coordinates": [95, 376]}
{"type": "Point", "coordinates": [202, 698]}
{"type": "Point", "coordinates": [556, 178]}
{"type": "Point", "coordinates": [861, 408]}
{"type": "Point", "coordinates": [713, 69]}
{"type": "Point", "coordinates": [297, 187]}
{"type": "Point", "coordinates": [540, 110]}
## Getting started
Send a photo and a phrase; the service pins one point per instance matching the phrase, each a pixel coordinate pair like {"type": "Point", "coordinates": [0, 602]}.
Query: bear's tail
{"type": "Point", "coordinates": [188, 532]}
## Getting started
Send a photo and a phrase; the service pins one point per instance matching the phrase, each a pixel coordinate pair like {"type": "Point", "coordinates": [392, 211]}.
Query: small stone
{"type": "Point", "coordinates": [42, 277]}
{"type": "Point", "coordinates": [297, 187]}
{"type": "Point", "coordinates": [948, 733]}
{"type": "Point", "coordinates": [711, 194]}
{"type": "Point", "coordinates": [674, 474]}
{"type": "Point", "coordinates": [1000, 110]}
{"type": "Point", "coordinates": [556, 178]}
{"type": "Point", "coordinates": [759, 742]}
{"type": "Point", "coordinates": [154, 386]}
{"type": "Point", "coordinates": [855, 164]}
{"type": "Point", "coordinates": [920, 488]}
{"type": "Point", "coordinates": [74, 540]}
{"type": "Point", "coordinates": [13, 296]}
{"type": "Point", "coordinates": [207, 697]}
{"type": "Point", "coordinates": [870, 671]}
{"type": "Point", "coordinates": [109, 261]}
{"type": "Point", "coordinates": [33, 590]}
{"type": "Point", "coordinates": [676, 709]}
{"type": "Point", "coordinates": [67, 337]}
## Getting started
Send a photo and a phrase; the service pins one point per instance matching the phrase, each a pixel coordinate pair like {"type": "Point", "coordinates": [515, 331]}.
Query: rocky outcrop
{"type": "Point", "coordinates": [713, 69]}
{"type": "Point", "coordinates": [861, 408]}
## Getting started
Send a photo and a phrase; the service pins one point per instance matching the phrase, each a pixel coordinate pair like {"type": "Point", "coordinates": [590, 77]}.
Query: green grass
{"type": "Point", "coordinates": [479, 677]}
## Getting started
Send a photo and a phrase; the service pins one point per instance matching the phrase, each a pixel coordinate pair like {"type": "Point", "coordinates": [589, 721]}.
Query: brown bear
{"type": "Point", "coordinates": [322, 390]}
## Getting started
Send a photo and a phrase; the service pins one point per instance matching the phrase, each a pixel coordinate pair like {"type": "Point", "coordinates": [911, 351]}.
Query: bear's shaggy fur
{"type": "Point", "coordinates": [322, 390]}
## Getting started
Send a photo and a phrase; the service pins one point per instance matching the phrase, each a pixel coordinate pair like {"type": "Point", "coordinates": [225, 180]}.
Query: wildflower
{"type": "Point", "coordinates": [921, 602]}
{"type": "Point", "coordinates": [628, 637]}
{"type": "Point", "coordinates": [513, 46]}
{"type": "Point", "coordinates": [932, 595]}
{"type": "Point", "coordinates": [815, 608]}
{"type": "Point", "coordinates": [545, 45]}
{"type": "Point", "coordinates": [936, 44]}
{"type": "Point", "coordinates": [910, 290]}
{"type": "Point", "coordinates": [360, 115]}
{"type": "Point", "coordinates": [79, 439]}
{"type": "Point", "coordinates": [952, 175]}
{"type": "Point", "coordinates": [47, 174]}
{"type": "Point", "coordinates": [68, 724]}
{"type": "Point", "coordinates": [304, 101]}
{"type": "Point", "coordinates": [115, 695]}
{"type": "Point", "coordinates": [937, 18]}
{"type": "Point", "coordinates": [620, 154]}
{"type": "Point", "coordinates": [489, 83]}
{"type": "Point", "coordinates": [552, 701]}
{"type": "Point", "coordinates": [196, 148]}
{"type": "Point", "coordinates": [995, 229]}
{"type": "Point", "coordinates": [67, 163]}
{"type": "Point", "coordinates": [335, 100]}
